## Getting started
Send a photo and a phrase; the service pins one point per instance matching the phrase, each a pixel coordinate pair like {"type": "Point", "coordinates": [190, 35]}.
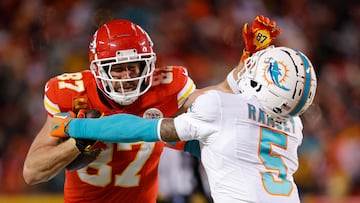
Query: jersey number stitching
{"type": "Point", "coordinates": [163, 78]}
{"type": "Point", "coordinates": [77, 85]}
{"type": "Point", "coordinates": [274, 184]}
{"type": "Point", "coordinates": [129, 177]}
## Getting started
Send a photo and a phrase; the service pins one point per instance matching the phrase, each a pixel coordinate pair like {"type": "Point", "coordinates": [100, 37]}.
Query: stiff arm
{"type": "Point", "coordinates": [196, 124]}
{"type": "Point", "coordinates": [124, 128]}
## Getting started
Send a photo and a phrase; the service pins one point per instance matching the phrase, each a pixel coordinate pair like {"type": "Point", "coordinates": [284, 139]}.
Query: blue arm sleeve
{"type": "Point", "coordinates": [115, 128]}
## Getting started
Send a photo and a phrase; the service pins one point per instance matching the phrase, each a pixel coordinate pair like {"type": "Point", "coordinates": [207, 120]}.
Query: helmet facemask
{"type": "Point", "coordinates": [101, 69]}
{"type": "Point", "coordinates": [119, 42]}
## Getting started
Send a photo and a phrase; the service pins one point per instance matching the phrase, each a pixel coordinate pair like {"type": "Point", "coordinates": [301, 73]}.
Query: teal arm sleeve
{"type": "Point", "coordinates": [115, 128]}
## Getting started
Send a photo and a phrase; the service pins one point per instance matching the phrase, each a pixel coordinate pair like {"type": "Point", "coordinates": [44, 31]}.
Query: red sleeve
{"type": "Point", "coordinates": [61, 90]}
{"type": "Point", "coordinates": [183, 86]}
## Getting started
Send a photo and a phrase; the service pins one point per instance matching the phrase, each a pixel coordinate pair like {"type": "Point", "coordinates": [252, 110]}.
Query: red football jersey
{"type": "Point", "coordinates": [123, 172]}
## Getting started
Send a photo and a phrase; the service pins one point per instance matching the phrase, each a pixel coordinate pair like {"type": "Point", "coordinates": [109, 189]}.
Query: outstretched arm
{"type": "Point", "coordinates": [196, 124]}
{"type": "Point", "coordinates": [117, 128]}
{"type": "Point", "coordinates": [125, 128]}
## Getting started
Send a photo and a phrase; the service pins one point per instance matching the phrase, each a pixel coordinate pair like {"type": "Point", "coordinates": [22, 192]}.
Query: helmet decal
{"type": "Point", "coordinates": [276, 73]}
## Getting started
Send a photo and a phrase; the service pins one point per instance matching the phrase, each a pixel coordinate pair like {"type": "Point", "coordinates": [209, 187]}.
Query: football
{"type": "Point", "coordinates": [88, 156]}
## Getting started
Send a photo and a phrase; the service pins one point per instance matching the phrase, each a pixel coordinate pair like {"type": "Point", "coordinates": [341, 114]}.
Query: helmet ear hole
{"type": "Point", "coordinates": [253, 83]}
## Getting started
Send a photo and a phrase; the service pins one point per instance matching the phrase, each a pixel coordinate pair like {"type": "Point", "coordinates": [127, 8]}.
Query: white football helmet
{"type": "Point", "coordinates": [282, 79]}
{"type": "Point", "coordinates": [117, 42]}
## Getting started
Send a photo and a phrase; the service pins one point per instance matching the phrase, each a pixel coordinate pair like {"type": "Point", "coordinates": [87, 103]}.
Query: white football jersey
{"type": "Point", "coordinates": [247, 157]}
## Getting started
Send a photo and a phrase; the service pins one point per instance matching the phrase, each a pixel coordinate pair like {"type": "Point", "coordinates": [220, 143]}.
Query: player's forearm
{"type": "Point", "coordinates": [116, 128]}
{"type": "Point", "coordinates": [168, 131]}
{"type": "Point", "coordinates": [129, 128]}
{"type": "Point", "coordinates": [44, 163]}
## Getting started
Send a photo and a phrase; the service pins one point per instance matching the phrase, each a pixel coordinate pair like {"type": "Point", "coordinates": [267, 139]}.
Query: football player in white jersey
{"type": "Point", "coordinates": [248, 140]}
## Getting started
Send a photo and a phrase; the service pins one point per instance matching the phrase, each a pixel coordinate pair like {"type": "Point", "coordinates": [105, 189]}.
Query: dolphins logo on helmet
{"type": "Point", "coordinates": [276, 73]}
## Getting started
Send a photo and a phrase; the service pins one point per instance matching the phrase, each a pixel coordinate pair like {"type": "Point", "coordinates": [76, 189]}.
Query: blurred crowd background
{"type": "Point", "coordinates": [41, 39]}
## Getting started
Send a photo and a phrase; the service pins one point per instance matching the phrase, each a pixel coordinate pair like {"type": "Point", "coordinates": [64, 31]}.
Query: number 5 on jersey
{"type": "Point", "coordinates": [275, 185]}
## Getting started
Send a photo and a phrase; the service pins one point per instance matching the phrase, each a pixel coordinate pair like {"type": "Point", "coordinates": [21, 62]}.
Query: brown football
{"type": "Point", "coordinates": [86, 157]}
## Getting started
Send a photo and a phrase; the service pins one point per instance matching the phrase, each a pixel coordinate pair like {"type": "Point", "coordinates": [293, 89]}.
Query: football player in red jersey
{"type": "Point", "coordinates": [122, 79]}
